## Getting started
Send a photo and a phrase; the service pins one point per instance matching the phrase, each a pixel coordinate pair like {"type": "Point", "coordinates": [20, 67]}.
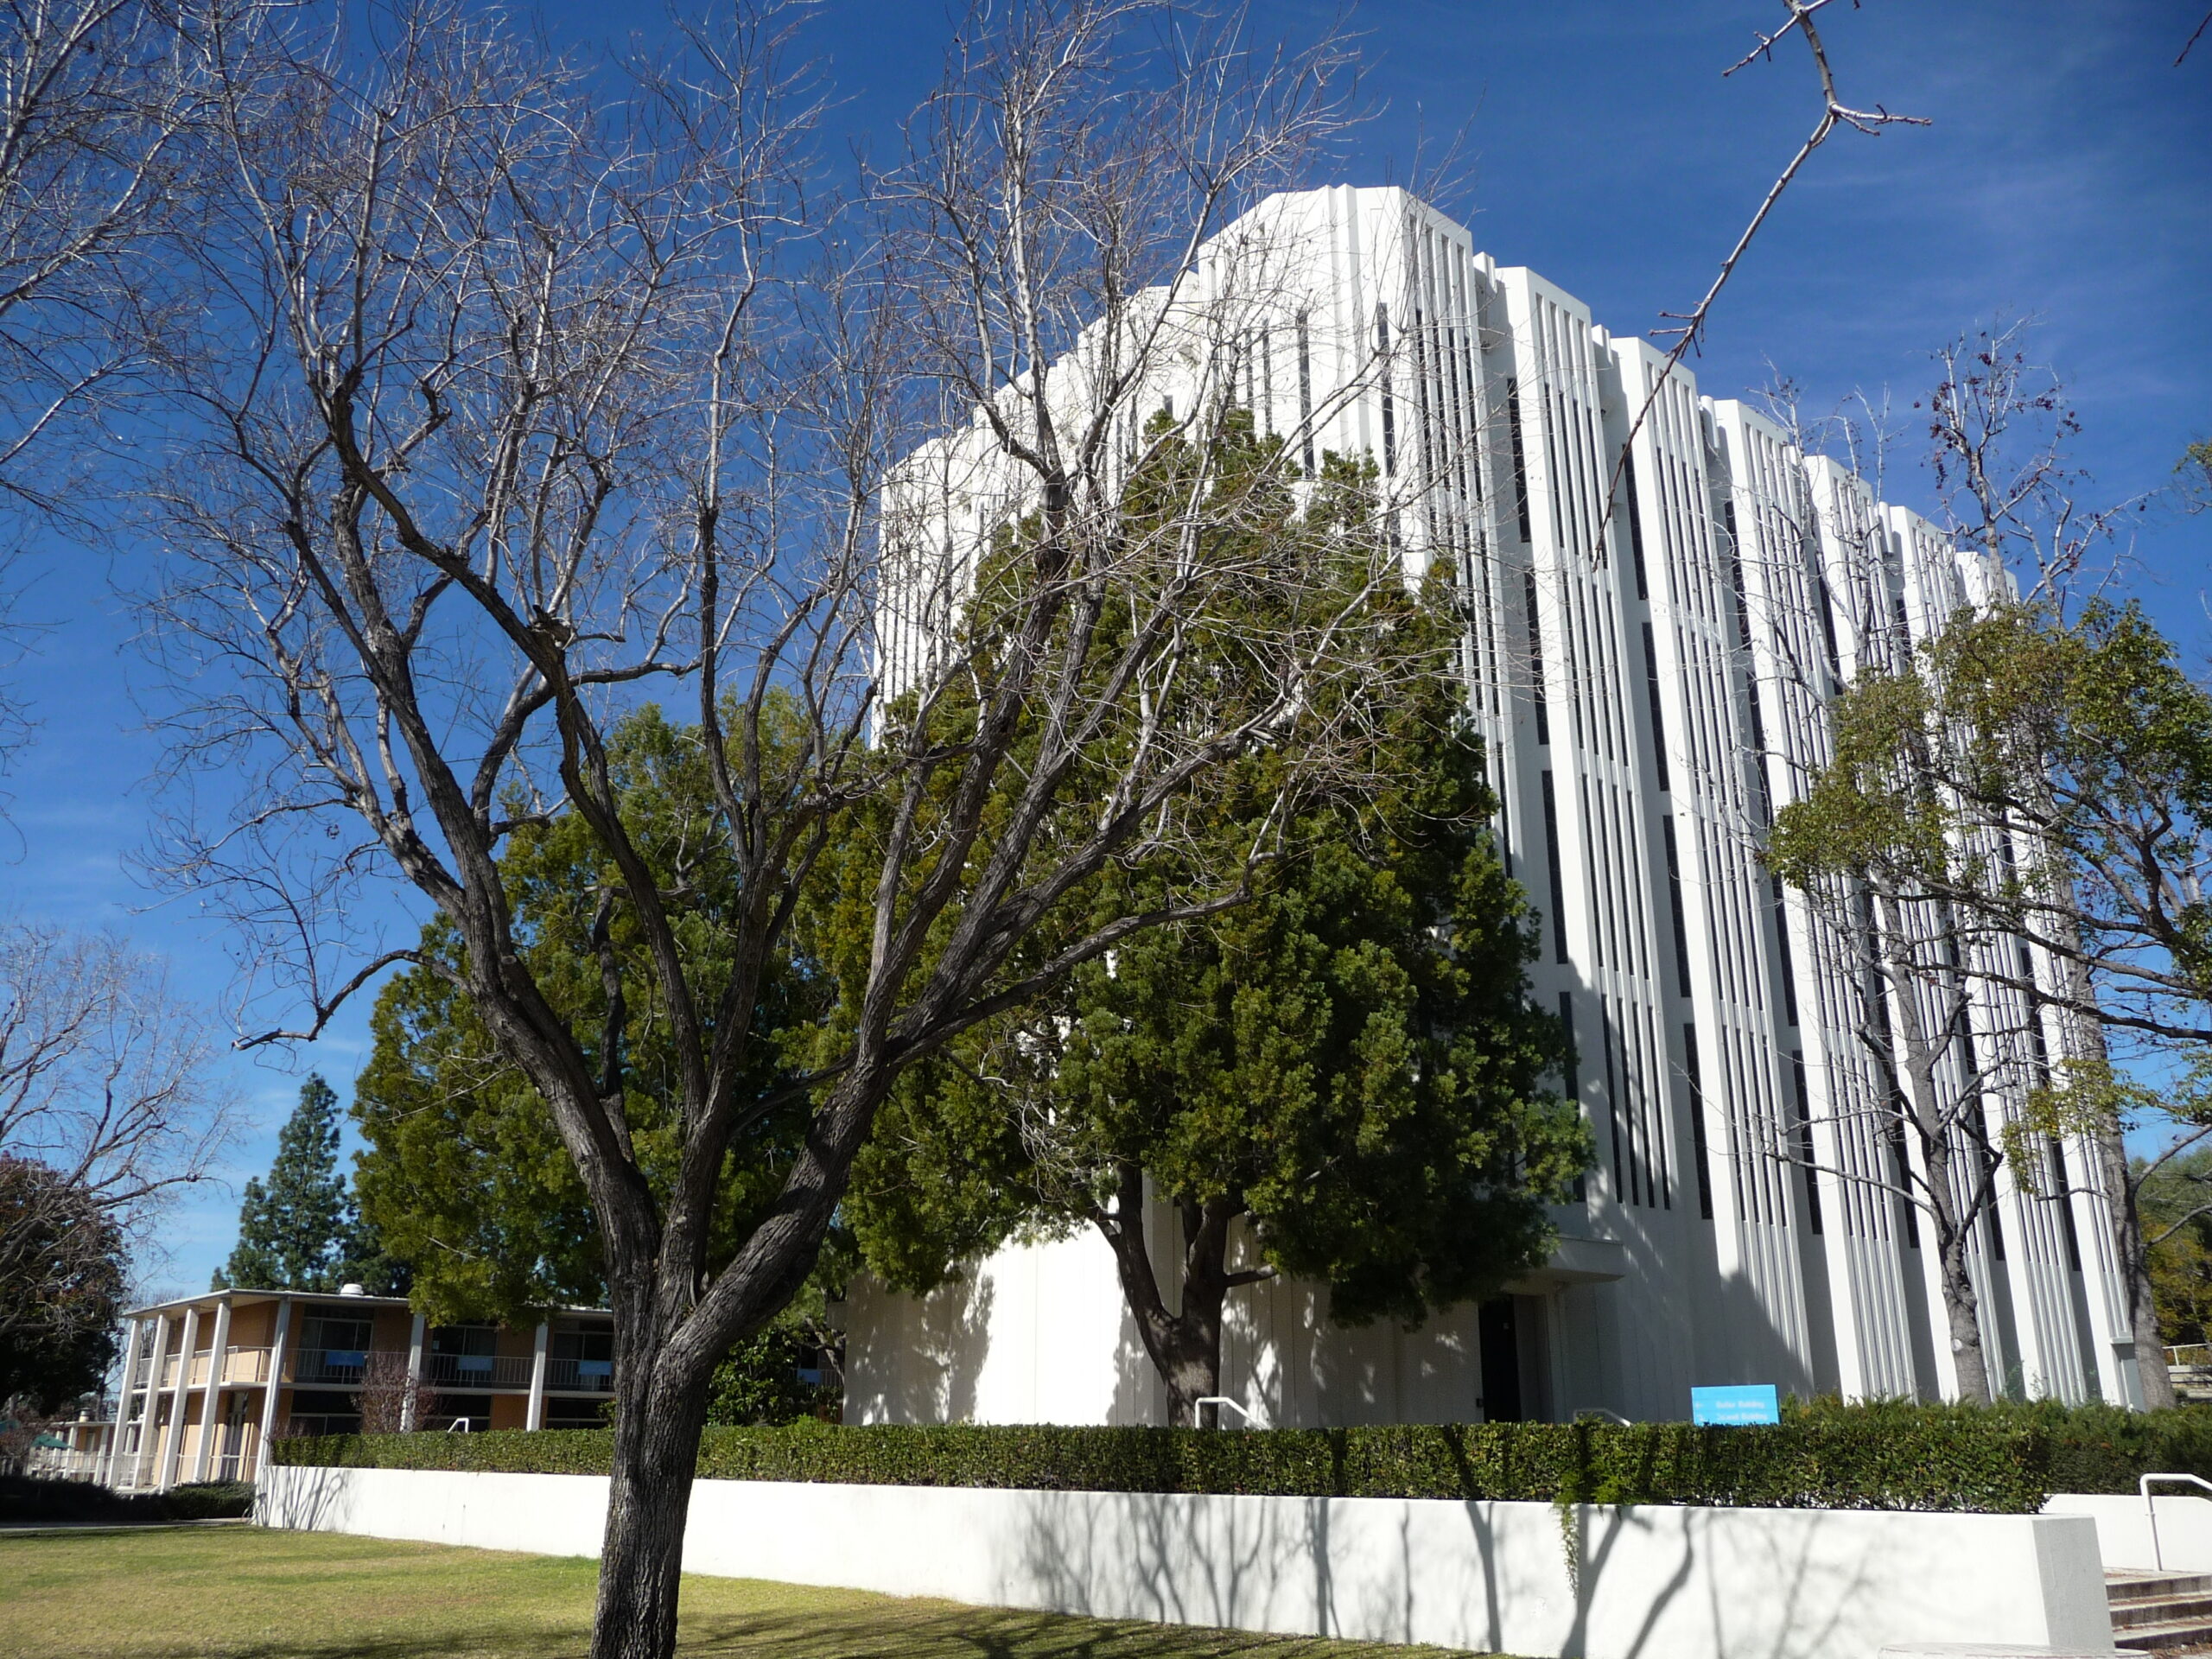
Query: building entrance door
{"type": "Point", "coordinates": [1497, 1329]}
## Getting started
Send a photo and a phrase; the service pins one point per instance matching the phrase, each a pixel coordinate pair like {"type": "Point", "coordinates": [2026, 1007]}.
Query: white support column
{"type": "Point", "coordinates": [141, 1461]}
{"type": "Point", "coordinates": [414, 1375]}
{"type": "Point", "coordinates": [273, 1384]}
{"type": "Point", "coordinates": [172, 1442]}
{"type": "Point", "coordinates": [218, 1360]}
{"type": "Point", "coordinates": [537, 1417]}
{"type": "Point", "coordinates": [133, 1345]}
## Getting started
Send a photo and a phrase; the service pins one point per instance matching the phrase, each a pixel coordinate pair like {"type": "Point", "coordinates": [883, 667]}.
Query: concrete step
{"type": "Point", "coordinates": [2192, 1636]}
{"type": "Point", "coordinates": [2161, 1613]}
{"type": "Point", "coordinates": [2126, 1584]}
{"type": "Point", "coordinates": [2161, 1609]}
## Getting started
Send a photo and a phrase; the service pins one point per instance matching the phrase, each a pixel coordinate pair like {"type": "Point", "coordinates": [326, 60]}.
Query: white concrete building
{"type": "Point", "coordinates": [1652, 683]}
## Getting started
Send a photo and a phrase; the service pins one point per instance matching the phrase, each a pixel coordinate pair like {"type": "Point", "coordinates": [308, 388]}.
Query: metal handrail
{"type": "Point", "coordinates": [2158, 1555]}
{"type": "Point", "coordinates": [1220, 1400]}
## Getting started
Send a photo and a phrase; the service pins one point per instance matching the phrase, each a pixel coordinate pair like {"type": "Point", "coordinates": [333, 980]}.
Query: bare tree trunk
{"type": "Point", "coordinates": [1934, 1124]}
{"type": "Point", "coordinates": [1185, 1346]}
{"type": "Point", "coordinates": [1962, 1309]}
{"type": "Point", "coordinates": [2133, 1257]}
{"type": "Point", "coordinates": [649, 1501]}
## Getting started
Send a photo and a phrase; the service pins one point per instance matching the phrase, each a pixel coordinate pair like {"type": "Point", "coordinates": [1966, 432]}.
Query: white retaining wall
{"type": "Point", "coordinates": [2123, 1530]}
{"type": "Point", "coordinates": [1689, 1583]}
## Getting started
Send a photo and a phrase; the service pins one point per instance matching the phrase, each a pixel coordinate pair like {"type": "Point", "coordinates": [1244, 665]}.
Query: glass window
{"type": "Point", "coordinates": [469, 1348]}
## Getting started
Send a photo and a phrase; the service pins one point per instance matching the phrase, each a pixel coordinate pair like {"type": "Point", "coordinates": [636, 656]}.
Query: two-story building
{"type": "Point", "coordinates": [207, 1381]}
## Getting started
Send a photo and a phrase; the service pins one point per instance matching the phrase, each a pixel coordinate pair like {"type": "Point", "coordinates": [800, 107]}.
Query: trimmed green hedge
{"type": "Point", "coordinates": [28, 1499]}
{"type": "Point", "coordinates": [1881, 1457]}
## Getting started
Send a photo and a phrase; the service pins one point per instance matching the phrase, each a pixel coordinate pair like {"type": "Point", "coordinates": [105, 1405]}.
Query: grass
{"type": "Point", "coordinates": [241, 1593]}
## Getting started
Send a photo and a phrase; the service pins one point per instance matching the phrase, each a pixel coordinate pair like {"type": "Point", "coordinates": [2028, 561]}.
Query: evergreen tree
{"type": "Point", "coordinates": [1343, 1079]}
{"type": "Point", "coordinates": [300, 1229]}
{"type": "Point", "coordinates": [61, 1285]}
{"type": "Point", "coordinates": [463, 1174]}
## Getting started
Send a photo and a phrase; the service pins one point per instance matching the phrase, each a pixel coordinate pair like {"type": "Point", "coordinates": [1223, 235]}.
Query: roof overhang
{"type": "Point", "coordinates": [1574, 1261]}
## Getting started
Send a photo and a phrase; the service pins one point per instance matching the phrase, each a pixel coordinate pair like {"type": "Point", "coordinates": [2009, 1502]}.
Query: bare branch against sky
{"type": "Point", "coordinates": [109, 1080]}
{"type": "Point", "coordinates": [1689, 325]}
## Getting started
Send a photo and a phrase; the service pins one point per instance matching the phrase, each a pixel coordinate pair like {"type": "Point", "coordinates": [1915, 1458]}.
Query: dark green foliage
{"type": "Point", "coordinates": [2000, 1459]}
{"type": "Point", "coordinates": [465, 1174]}
{"type": "Point", "coordinates": [2087, 739]}
{"type": "Point", "coordinates": [25, 1501]}
{"type": "Point", "coordinates": [759, 1380]}
{"type": "Point", "coordinates": [1344, 1072]}
{"type": "Point", "coordinates": [2171, 1198]}
{"type": "Point", "coordinates": [61, 1280]}
{"type": "Point", "coordinates": [301, 1230]}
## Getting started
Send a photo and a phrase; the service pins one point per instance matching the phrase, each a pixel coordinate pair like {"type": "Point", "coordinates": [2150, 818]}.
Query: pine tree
{"type": "Point", "coordinates": [301, 1230]}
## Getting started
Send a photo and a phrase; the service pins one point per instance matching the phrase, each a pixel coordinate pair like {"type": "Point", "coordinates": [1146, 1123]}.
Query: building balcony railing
{"type": "Point", "coordinates": [580, 1376]}
{"type": "Point", "coordinates": [244, 1365]}
{"type": "Point", "coordinates": [463, 1371]}
{"type": "Point", "coordinates": [61, 1463]}
{"type": "Point", "coordinates": [339, 1367]}
{"type": "Point", "coordinates": [344, 1367]}
{"type": "Point", "coordinates": [456, 1373]}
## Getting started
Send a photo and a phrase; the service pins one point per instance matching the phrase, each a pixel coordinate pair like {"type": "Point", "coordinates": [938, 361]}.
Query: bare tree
{"type": "Point", "coordinates": [93, 113]}
{"type": "Point", "coordinates": [92, 110]}
{"type": "Point", "coordinates": [393, 1400]}
{"type": "Point", "coordinates": [108, 1084]}
{"type": "Point", "coordinates": [2017, 769]}
{"type": "Point", "coordinates": [1936, 1058]}
{"type": "Point", "coordinates": [524, 389]}
{"type": "Point", "coordinates": [2000, 425]}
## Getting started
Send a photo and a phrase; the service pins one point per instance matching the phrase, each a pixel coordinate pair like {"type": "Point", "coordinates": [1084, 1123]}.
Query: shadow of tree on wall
{"type": "Point", "coordinates": [941, 1341]}
{"type": "Point", "coordinates": [1805, 1590]}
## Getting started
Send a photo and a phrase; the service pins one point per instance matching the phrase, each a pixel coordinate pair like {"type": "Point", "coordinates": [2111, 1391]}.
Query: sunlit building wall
{"type": "Point", "coordinates": [1661, 612]}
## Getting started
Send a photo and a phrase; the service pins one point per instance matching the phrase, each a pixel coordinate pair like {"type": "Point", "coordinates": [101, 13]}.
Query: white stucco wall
{"type": "Point", "coordinates": [1040, 1333]}
{"type": "Point", "coordinates": [1689, 1583]}
{"type": "Point", "coordinates": [2185, 1542]}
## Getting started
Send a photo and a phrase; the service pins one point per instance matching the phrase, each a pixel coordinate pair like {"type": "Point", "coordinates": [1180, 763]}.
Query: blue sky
{"type": "Point", "coordinates": [2067, 177]}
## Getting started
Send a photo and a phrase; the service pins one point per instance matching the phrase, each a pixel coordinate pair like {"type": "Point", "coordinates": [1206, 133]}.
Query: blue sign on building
{"type": "Point", "coordinates": [1736, 1405]}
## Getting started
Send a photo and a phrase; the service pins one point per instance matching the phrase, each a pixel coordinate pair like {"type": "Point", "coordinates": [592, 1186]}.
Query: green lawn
{"type": "Point", "coordinates": [241, 1592]}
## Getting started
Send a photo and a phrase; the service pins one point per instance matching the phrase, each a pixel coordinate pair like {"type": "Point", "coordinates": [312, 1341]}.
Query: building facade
{"type": "Point", "coordinates": [1661, 610]}
{"type": "Point", "coordinates": [207, 1381]}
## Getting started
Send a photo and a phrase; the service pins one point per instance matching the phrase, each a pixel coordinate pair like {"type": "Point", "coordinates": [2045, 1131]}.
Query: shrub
{"type": "Point", "coordinates": [1878, 1458]}
{"type": "Point", "coordinates": [29, 1500]}
{"type": "Point", "coordinates": [208, 1500]}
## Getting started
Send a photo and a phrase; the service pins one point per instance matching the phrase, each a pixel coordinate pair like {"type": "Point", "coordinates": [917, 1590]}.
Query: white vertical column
{"type": "Point", "coordinates": [149, 1422]}
{"type": "Point", "coordinates": [273, 1384]}
{"type": "Point", "coordinates": [172, 1442]}
{"type": "Point", "coordinates": [133, 1345]}
{"type": "Point", "coordinates": [414, 1375]}
{"type": "Point", "coordinates": [537, 1417]}
{"type": "Point", "coordinates": [218, 1360]}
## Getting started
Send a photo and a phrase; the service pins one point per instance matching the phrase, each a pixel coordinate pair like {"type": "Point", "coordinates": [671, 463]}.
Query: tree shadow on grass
{"type": "Point", "coordinates": [987, 1633]}
{"type": "Point", "coordinates": [896, 1631]}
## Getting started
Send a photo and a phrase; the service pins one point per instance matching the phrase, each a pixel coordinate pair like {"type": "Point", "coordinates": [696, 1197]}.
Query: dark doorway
{"type": "Point", "coordinates": [1497, 1328]}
